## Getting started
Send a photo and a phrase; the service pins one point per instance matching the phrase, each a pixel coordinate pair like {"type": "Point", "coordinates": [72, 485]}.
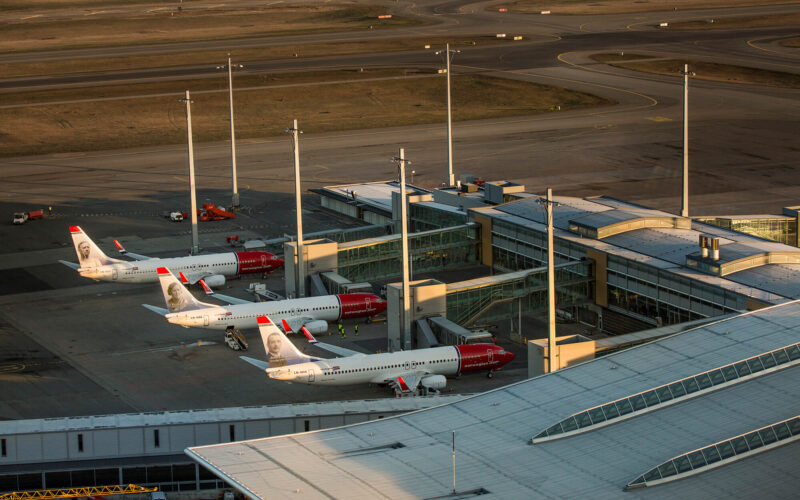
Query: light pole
{"type": "Point", "coordinates": [685, 198]}
{"type": "Point", "coordinates": [553, 359]}
{"type": "Point", "coordinates": [300, 275]}
{"type": "Point", "coordinates": [405, 339]}
{"type": "Point", "coordinates": [235, 199]}
{"type": "Point", "coordinates": [448, 57]}
{"type": "Point", "coordinates": [193, 197]}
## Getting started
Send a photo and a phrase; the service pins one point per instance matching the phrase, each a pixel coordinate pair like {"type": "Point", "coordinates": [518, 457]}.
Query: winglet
{"type": "Point", "coordinates": [311, 339]}
{"type": "Point", "coordinates": [119, 247]}
{"type": "Point", "coordinates": [403, 386]}
{"type": "Point", "coordinates": [206, 288]}
{"type": "Point", "coordinates": [162, 271]}
{"type": "Point", "coordinates": [183, 278]}
{"type": "Point", "coordinates": [286, 327]}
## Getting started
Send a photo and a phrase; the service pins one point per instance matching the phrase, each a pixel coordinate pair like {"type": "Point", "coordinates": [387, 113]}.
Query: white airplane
{"type": "Point", "coordinates": [213, 268]}
{"type": "Point", "coordinates": [312, 312]}
{"type": "Point", "coordinates": [404, 371]}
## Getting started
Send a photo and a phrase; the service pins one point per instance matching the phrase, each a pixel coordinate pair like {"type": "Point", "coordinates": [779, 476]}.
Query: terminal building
{"type": "Point", "coordinates": [623, 267]}
{"type": "Point", "coordinates": [710, 412]}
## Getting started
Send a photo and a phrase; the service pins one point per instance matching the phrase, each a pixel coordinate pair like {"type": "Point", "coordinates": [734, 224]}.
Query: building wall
{"type": "Point", "coordinates": [166, 439]}
{"type": "Point", "coordinates": [644, 292]}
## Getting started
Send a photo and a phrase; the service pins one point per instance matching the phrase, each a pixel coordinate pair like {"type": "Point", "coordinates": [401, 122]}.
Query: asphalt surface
{"type": "Point", "coordinates": [96, 341]}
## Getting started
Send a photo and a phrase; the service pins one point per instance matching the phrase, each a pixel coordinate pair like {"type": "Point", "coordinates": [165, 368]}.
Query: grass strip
{"type": "Point", "coordinates": [168, 26]}
{"type": "Point", "coordinates": [125, 123]}
{"type": "Point", "coordinates": [240, 56]}
{"type": "Point", "coordinates": [727, 23]}
{"type": "Point", "coordinates": [708, 71]}
{"type": "Point", "coordinates": [583, 7]}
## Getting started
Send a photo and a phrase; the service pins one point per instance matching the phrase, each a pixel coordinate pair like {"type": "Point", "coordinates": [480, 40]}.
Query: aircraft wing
{"type": "Point", "coordinates": [212, 293]}
{"type": "Point", "coordinates": [295, 323]}
{"type": "Point", "coordinates": [405, 382]}
{"type": "Point", "coordinates": [192, 277]}
{"type": "Point", "coordinates": [71, 265]}
{"type": "Point", "coordinates": [338, 350]}
{"type": "Point", "coordinates": [335, 349]}
{"type": "Point", "coordinates": [134, 256]}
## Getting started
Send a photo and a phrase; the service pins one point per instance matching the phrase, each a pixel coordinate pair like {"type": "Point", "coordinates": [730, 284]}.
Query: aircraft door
{"type": "Point", "coordinates": [311, 375]}
{"type": "Point", "coordinates": [114, 274]}
{"type": "Point", "coordinates": [490, 355]}
{"type": "Point", "coordinates": [205, 320]}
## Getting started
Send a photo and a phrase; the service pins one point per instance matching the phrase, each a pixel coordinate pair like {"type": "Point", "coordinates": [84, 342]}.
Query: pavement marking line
{"type": "Point", "coordinates": [12, 368]}
{"type": "Point", "coordinates": [653, 101]}
{"type": "Point", "coordinates": [95, 12]}
{"type": "Point", "coordinates": [199, 343]}
{"type": "Point", "coordinates": [659, 119]}
{"type": "Point", "coordinates": [30, 17]}
{"type": "Point", "coordinates": [752, 43]}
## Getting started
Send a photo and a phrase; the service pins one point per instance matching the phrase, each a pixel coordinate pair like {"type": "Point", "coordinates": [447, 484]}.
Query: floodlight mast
{"type": "Point", "coordinates": [448, 57]}
{"type": "Point", "coordinates": [235, 198]}
{"type": "Point", "coordinates": [405, 338]}
{"type": "Point", "coordinates": [553, 357]}
{"type": "Point", "coordinates": [300, 288]}
{"type": "Point", "coordinates": [192, 196]}
{"type": "Point", "coordinates": [685, 196]}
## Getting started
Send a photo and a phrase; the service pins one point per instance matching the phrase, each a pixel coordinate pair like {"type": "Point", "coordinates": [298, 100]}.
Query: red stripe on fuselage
{"type": "Point", "coordinates": [482, 357]}
{"type": "Point", "coordinates": [359, 305]}
{"type": "Point", "coordinates": [256, 262]}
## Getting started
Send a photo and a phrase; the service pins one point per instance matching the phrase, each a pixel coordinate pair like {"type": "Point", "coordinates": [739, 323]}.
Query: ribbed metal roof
{"type": "Point", "coordinates": [376, 194]}
{"type": "Point", "coordinates": [410, 456]}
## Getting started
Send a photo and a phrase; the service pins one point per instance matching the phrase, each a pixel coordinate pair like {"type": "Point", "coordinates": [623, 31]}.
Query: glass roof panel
{"type": "Point", "coordinates": [628, 406]}
{"type": "Point", "coordinates": [728, 450]}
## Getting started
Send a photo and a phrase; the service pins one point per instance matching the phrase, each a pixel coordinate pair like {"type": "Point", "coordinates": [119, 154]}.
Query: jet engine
{"type": "Point", "coordinates": [317, 327]}
{"type": "Point", "coordinates": [215, 280]}
{"type": "Point", "coordinates": [433, 382]}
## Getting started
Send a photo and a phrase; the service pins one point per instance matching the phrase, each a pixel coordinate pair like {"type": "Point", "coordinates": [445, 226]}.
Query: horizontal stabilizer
{"type": "Point", "coordinates": [157, 310]}
{"type": "Point", "coordinates": [263, 365]}
{"type": "Point", "coordinates": [71, 265]}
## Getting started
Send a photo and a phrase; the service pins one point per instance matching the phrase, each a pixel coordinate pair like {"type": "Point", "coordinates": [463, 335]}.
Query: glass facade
{"type": "Point", "coordinates": [424, 217]}
{"type": "Point", "coordinates": [780, 229]}
{"type": "Point", "coordinates": [430, 251]}
{"type": "Point", "coordinates": [667, 297]}
{"type": "Point", "coordinates": [633, 288]}
{"type": "Point", "coordinates": [574, 285]}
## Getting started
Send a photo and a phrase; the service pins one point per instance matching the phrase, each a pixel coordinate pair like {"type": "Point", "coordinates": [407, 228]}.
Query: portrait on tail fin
{"type": "Point", "coordinates": [177, 297]}
{"type": "Point", "coordinates": [89, 254]}
{"type": "Point", "coordinates": [279, 349]}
